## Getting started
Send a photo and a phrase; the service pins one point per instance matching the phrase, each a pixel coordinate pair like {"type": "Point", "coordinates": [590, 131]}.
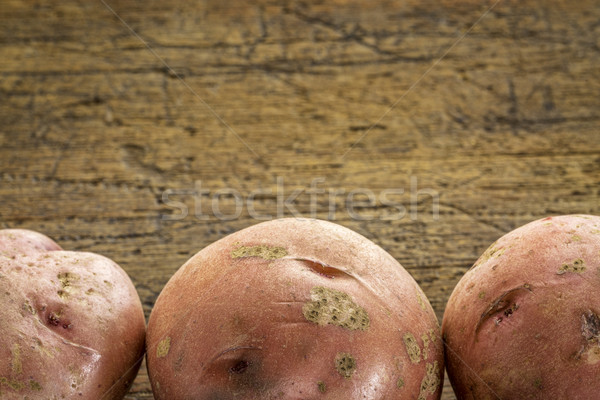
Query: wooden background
{"type": "Point", "coordinates": [244, 98]}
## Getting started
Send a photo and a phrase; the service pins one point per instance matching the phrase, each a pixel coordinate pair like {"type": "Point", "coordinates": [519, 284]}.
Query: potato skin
{"type": "Point", "coordinates": [523, 322]}
{"type": "Point", "coordinates": [252, 317]}
{"type": "Point", "coordinates": [72, 323]}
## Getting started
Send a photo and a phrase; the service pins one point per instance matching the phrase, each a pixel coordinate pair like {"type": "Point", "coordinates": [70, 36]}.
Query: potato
{"type": "Point", "coordinates": [72, 323]}
{"type": "Point", "coordinates": [523, 322]}
{"type": "Point", "coordinates": [293, 309]}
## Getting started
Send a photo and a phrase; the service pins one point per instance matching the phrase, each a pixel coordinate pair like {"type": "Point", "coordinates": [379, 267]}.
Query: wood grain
{"type": "Point", "coordinates": [496, 123]}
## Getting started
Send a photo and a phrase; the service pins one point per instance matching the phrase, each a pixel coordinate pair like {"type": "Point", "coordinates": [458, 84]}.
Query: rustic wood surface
{"type": "Point", "coordinates": [489, 111]}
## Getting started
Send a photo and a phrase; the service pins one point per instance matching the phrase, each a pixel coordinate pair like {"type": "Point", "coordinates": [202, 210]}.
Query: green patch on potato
{"type": "Point", "coordinates": [33, 385]}
{"type": "Point", "coordinates": [322, 386]}
{"type": "Point", "coordinates": [334, 307]}
{"type": "Point", "coordinates": [27, 307]}
{"type": "Point", "coordinates": [412, 347]}
{"type": "Point", "coordinates": [266, 252]}
{"type": "Point", "coordinates": [400, 383]}
{"type": "Point", "coordinates": [163, 347]}
{"type": "Point", "coordinates": [11, 383]}
{"type": "Point", "coordinates": [420, 300]}
{"type": "Point", "coordinates": [17, 366]}
{"type": "Point", "coordinates": [345, 364]}
{"type": "Point", "coordinates": [430, 381]}
{"type": "Point", "coordinates": [67, 278]}
{"type": "Point", "coordinates": [577, 266]}
{"type": "Point", "coordinates": [432, 335]}
{"type": "Point", "coordinates": [425, 339]}
{"type": "Point", "coordinates": [491, 252]}
{"type": "Point", "coordinates": [67, 283]}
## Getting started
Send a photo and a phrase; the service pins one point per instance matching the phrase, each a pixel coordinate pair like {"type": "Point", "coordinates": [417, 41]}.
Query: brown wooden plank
{"type": "Point", "coordinates": [95, 128]}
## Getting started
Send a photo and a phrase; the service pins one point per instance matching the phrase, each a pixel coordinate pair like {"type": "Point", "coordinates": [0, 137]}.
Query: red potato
{"type": "Point", "coordinates": [72, 322]}
{"type": "Point", "coordinates": [294, 309]}
{"type": "Point", "coordinates": [523, 323]}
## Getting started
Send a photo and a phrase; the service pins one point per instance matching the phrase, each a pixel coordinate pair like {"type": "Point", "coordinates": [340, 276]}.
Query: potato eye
{"type": "Point", "coordinates": [240, 367]}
